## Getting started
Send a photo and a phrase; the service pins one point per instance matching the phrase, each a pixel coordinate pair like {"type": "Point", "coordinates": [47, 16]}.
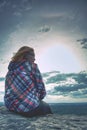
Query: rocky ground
{"type": "Point", "coordinates": [11, 121]}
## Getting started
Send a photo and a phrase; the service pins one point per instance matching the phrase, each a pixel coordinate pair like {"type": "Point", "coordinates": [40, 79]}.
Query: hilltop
{"type": "Point", "coordinates": [11, 121]}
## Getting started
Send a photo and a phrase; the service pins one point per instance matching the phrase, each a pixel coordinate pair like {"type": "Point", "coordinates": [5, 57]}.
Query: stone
{"type": "Point", "coordinates": [12, 121]}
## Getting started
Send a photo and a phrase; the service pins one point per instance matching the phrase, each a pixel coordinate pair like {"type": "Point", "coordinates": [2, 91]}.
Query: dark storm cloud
{"type": "Point", "coordinates": [79, 94]}
{"type": "Point", "coordinates": [12, 12]}
{"type": "Point", "coordinates": [59, 16]}
{"type": "Point", "coordinates": [59, 13]}
{"type": "Point", "coordinates": [44, 29]}
{"type": "Point", "coordinates": [77, 89]}
{"type": "Point", "coordinates": [83, 42]}
{"type": "Point", "coordinates": [12, 8]}
{"type": "Point", "coordinates": [17, 4]}
{"type": "Point", "coordinates": [70, 88]}
{"type": "Point", "coordinates": [2, 4]}
{"type": "Point", "coordinates": [58, 77]}
{"type": "Point", "coordinates": [23, 7]}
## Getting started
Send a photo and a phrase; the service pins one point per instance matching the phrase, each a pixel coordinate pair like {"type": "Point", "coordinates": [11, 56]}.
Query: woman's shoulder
{"type": "Point", "coordinates": [31, 65]}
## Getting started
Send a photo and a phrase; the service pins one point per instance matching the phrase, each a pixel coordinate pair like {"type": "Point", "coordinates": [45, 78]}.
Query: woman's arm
{"type": "Point", "coordinates": [39, 82]}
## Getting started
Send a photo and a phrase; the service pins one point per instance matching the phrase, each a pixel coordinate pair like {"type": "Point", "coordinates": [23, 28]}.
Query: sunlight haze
{"type": "Point", "coordinates": [59, 57]}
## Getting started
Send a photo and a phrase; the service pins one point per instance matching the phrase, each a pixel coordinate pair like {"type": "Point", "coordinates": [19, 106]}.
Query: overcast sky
{"type": "Point", "coordinates": [57, 29]}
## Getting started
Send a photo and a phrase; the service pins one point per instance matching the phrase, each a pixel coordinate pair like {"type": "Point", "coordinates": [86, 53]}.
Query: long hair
{"type": "Point", "coordinates": [22, 53]}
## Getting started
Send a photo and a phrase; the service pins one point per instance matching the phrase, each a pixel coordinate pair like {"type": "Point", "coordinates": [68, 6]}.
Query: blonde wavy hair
{"type": "Point", "coordinates": [22, 53]}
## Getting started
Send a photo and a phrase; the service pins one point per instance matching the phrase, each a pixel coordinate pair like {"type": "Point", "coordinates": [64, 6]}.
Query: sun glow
{"type": "Point", "coordinates": [59, 57]}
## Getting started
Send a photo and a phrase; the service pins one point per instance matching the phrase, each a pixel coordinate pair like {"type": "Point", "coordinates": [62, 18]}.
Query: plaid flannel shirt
{"type": "Point", "coordinates": [24, 87]}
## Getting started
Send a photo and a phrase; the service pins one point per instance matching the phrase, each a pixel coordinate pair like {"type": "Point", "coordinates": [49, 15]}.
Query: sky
{"type": "Point", "coordinates": [60, 88]}
{"type": "Point", "coordinates": [56, 29]}
{"type": "Point", "coordinates": [66, 88]}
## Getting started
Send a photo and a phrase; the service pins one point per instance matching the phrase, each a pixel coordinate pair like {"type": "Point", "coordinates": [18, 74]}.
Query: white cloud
{"type": "Point", "coordinates": [58, 99]}
{"type": "Point", "coordinates": [63, 99]}
{"type": "Point", "coordinates": [2, 88]}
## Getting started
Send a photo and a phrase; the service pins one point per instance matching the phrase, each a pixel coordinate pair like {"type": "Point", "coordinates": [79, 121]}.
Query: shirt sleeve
{"type": "Point", "coordinates": [39, 82]}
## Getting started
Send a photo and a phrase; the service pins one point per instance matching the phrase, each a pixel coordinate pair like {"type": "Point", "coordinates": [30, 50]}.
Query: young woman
{"type": "Point", "coordinates": [24, 87]}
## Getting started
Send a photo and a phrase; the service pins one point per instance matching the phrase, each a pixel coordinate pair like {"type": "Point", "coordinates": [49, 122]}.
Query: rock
{"type": "Point", "coordinates": [12, 121]}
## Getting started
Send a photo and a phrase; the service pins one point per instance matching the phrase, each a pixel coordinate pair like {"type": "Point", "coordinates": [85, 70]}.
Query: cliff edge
{"type": "Point", "coordinates": [12, 121]}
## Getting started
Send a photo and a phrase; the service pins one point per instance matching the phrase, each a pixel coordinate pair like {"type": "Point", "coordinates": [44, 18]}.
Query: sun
{"type": "Point", "coordinates": [58, 57]}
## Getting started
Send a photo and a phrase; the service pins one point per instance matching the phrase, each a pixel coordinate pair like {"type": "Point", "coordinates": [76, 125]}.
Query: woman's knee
{"type": "Point", "coordinates": [45, 107]}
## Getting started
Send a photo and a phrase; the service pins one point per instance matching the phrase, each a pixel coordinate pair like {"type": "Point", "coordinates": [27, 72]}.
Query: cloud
{"type": "Point", "coordinates": [22, 7]}
{"type": "Point", "coordinates": [83, 42]}
{"type": "Point", "coordinates": [81, 93]}
{"type": "Point", "coordinates": [44, 29]}
{"type": "Point", "coordinates": [2, 4]}
{"type": "Point", "coordinates": [17, 13]}
{"type": "Point", "coordinates": [2, 79]}
{"type": "Point", "coordinates": [66, 92]}
{"type": "Point", "coordinates": [73, 85]}
{"type": "Point", "coordinates": [75, 91]}
{"type": "Point", "coordinates": [27, 4]}
{"type": "Point", "coordinates": [16, 8]}
{"type": "Point", "coordinates": [56, 78]}
{"type": "Point", "coordinates": [69, 88]}
{"type": "Point", "coordinates": [4, 61]}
